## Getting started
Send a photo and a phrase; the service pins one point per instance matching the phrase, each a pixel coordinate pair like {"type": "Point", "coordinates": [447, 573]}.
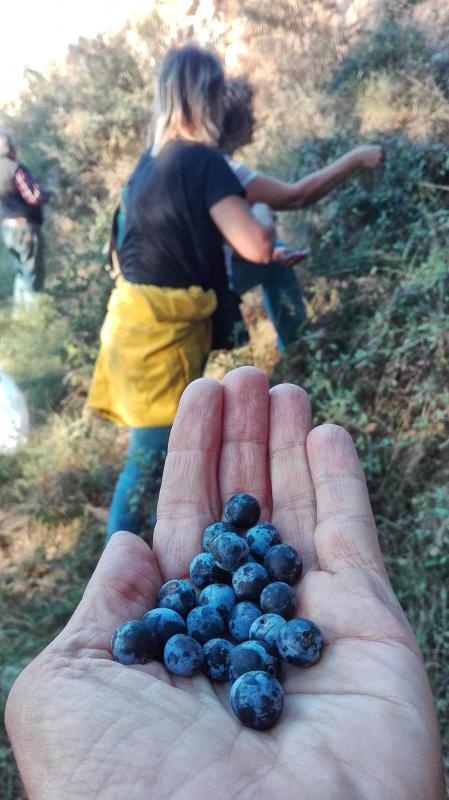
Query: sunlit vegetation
{"type": "Point", "coordinates": [375, 356]}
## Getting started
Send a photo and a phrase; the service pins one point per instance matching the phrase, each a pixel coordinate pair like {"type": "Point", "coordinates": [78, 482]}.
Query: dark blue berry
{"type": "Point", "coordinates": [241, 618]}
{"type": "Point", "coordinates": [216, 654]}
{"type": "Point", "coordinates": [242, 510]}
{"type": "Point", "coordinates": [300, 642]}
{"type": "Point", "coordinates": [163, 623]}
{"type": "Point", "coordinates": [257, 700]}
{"type": "Point", "coordinates": [204, 570]}
{"type": "Point", "coordinates": [178, 595]}
{"type": "Point", "coordinates": [265, 629]}
{"type": "Point", "coordinates": [261, 538]}
{"type": "Point", "coordinates": [133, 643]}
{"type": "Point", "coordinates": [283, 563]}
{"type": "Point", "coordinates": [278, 598]}
{"type": "Point", "coordinates": [218, 596]}
{"type": "Point", "coordinates": [250, 656]}
{"type": "Point", "coordinates": [229, 551]}
{"type": "Point", "coordinates": [214, 530]}
{"type": "Point", "coordinates": [183, 655]}
{"type": "Point", "coordinates": [204, 623]}
{"type": "Point", "coordinates": [249, 580]}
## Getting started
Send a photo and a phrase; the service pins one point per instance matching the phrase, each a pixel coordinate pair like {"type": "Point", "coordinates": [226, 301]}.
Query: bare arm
{"type": "Point", "coordinates": [283, 196]}
{"type": "Point", "coordinates": [251, 239]}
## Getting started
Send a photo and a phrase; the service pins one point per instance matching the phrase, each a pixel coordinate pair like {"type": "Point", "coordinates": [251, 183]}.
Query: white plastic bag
{"type": "Point", "coordinates": [14, 419]}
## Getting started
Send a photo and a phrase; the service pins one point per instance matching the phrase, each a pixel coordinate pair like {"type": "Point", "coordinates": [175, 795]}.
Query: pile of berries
{"type": "Point", "coordinates": [236, 622]}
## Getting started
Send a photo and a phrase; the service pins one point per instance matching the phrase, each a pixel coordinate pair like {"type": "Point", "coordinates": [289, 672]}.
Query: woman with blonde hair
{"type": "Point", "coordinates": [172, 299]}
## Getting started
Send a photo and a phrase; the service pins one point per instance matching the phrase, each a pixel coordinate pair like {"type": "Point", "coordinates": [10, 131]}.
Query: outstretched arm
{"type": "Point", "coordinates": [283, 196]}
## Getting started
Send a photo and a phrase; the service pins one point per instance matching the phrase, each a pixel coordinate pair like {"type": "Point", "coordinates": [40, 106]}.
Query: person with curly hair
{"type": "Point", "coordinates": [281, 290]}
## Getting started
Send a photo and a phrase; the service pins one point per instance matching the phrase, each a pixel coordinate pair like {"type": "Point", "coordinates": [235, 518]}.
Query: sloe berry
{"type": "Point", "coordinates": [204, 570]}
{"type": "Point", "coordinates": [216, 654]}
{"type": "Point", "coordinates": [260, 538]}
{"type": "Point", "coordinates": [242, 510]}
{"type": "Point", "coordinates": [214, 530]}
{"type": "Point", "coordinates": [283, 563]}
{"type": "Point", "coordinates": [278, 598]}
{"type": "Point", "coordinates": [257, 700]}
{"type": "Point", "coordinates": [245, 583]}
{"type": "Point", "coordinates": [250, 656]}
{"type": "Point", "coordinates": [249, 580]}
{"type": "Point", "coordinates": [229, 551]}
{"type": "Point", "coordinates": [183, 655]}
{"type": "Point", "coordinates": [178, 595]}
{"type": "Point", "coordinates": [133, 643]}
{"type": "Point", "coordinates": [241, 618]}
{"type": "Point", "coordinates": [219, 596]}
{"type": "Point", "coordinates": [265, 629]}
{"type": "Point", "coordinates": [300, 642]}
{"type": "Point", "coordinates": [163, 623]}
{"type": "Point", "coordinates": [205, 623]}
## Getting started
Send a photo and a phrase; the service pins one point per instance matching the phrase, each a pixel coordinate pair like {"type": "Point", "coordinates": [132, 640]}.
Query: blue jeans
{"type": "Point", "coordinates": [282, 295]}
{"type": "Point", "coordinates": [140, 476]}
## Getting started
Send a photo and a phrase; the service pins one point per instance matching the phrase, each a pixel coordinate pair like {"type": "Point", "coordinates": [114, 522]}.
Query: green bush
{"type": "Point", "coordinates": [392, 46]}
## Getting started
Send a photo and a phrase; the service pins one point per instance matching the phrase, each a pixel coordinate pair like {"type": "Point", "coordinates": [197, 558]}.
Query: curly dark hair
{"type": "Point", "coordinates": [238, 108]}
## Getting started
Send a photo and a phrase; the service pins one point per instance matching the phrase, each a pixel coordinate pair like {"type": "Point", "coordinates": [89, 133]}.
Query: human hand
{"type": "Point", "coordinates": [289, 256]}
{"type": "Point", "coordinates": [359, 725]}
{"type": "Point", "coordinates": [368, 156]}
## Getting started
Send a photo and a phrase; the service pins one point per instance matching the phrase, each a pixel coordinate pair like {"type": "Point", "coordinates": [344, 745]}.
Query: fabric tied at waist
{"type": "Point", "coordinates": [154, 342]}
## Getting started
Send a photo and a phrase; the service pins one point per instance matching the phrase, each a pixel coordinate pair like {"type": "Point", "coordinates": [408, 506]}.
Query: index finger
{"type": "Point", "coordinates": [189, 498]}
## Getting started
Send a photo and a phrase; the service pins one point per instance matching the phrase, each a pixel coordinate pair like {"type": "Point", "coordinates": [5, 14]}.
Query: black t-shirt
{"type": "Point", "coordinates": [170, 238]}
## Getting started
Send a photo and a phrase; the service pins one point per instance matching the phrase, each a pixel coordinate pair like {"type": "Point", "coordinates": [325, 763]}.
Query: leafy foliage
{"type": "Point", "coordinates": [74, 125]}
{"type": "Point", "coordinates": [374, 359]}
{"type": "Point", "coordinates": [391, 46]}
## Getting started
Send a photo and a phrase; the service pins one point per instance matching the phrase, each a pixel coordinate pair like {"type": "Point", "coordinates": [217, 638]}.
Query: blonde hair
{"type": "Point", "coordinates": [189, 97]}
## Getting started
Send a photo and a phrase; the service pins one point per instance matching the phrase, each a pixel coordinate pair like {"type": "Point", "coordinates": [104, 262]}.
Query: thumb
{"type": "Point", "coordinates": [124, 586]}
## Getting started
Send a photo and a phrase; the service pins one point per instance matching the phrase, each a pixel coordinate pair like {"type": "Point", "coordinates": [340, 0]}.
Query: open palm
{"type": "Point", "coordinates": [359, 725]}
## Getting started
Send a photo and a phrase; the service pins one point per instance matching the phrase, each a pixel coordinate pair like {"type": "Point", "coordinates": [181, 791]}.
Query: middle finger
{"type": "Point", "coordinates": [244, 454]}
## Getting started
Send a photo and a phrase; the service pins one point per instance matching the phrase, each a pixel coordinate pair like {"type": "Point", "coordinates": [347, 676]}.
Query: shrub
{"type": "Point", "coordinates": [390, 47]}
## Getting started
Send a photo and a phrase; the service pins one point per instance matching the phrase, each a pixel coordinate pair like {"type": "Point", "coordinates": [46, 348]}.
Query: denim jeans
{"type": "Point", "coordinates": [282, 295]}
{"type": "Point", "coordinates": [26, 245]}
{"type": "Point", "coordinates": [140, 476]}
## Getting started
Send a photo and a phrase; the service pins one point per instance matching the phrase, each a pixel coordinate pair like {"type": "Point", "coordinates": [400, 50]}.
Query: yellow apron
{"type": "Point", "coordinates": [154, 342]}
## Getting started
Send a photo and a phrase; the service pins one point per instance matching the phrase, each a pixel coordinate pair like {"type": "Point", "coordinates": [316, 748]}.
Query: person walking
{"type": "Point", "coordinates": [21, 202]}
{"type": "Point", "coordinates": [172, 302]}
